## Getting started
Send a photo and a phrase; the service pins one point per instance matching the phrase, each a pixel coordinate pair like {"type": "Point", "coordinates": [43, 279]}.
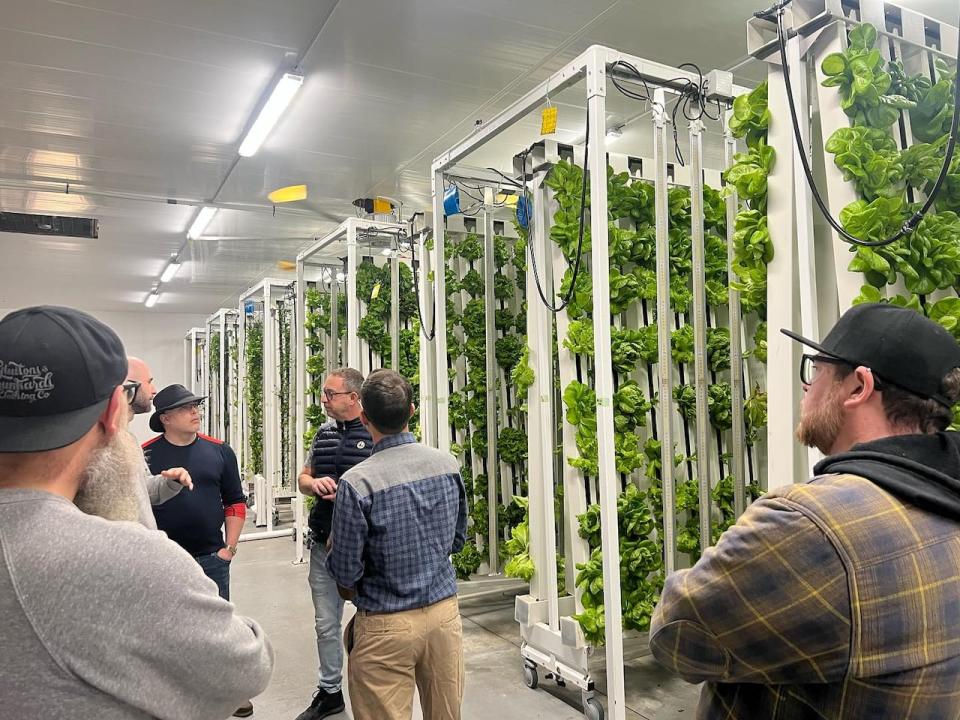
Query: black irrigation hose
{"type": "Point", "coordinates": [911, 224]}
{"type": "Point", "coordinates": [583, 207]}
{"type": "Point", "coordinates": [416, 291]}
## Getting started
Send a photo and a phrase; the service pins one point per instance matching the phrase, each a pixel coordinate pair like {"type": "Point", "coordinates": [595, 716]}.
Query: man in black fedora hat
{"type": "Point", "coordinates": [102, 618]}
{"type": "Point", "coordinates": [193, 519]}
{"type": "Point", "coordinates": [838, 596]}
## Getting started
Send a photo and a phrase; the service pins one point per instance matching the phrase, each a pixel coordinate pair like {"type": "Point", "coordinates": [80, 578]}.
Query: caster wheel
{"type": "Point", "coordinates": [592, 709]}
{"type": "Point", "coordinates": [530, 678]}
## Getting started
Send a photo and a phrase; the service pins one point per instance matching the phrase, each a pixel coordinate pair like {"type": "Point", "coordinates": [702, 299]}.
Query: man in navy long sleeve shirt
{"type": "Point", "coordinates": [193, 519]}
{"type": "Point", "coordinates": [398, 517]}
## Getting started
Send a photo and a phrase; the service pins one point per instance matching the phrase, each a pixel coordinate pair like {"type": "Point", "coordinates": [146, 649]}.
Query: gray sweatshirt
{"type": "Point", "coordinates": [155, 490]}
{"type": "Point", "coordinates": [111, 620]}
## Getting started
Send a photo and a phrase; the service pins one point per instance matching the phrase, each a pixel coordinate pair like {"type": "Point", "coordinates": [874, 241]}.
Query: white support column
{"type": "Point", "coordinates": [298, 335]}
{"type": "Point", "coordinates": [439, 266]}
{"type": "Point", "coordinates": [242, 450]}
{"type": "Point", "coordinates": [271, 418]}
{"type": "Point", "coordinates": [608, 479]}
{"type": "Point", "coordinates": [428, 352]}
{"type": "Point", "coordinates": [737, 469]}
{"type": "Point", "coordinates": [491, 394]}
{"type": "Point", "coordinates": [664, 360]}
{"type": "Point", "coordinates": [222, 395]}
{"type": "Point", "coordinates": [785, 460]}
{"type": "Point", "coordinates": [699, 305]}
{"type": "Point", "coordinates": [352, 356]}
{"type": "Point", "coordinates": [395, 309]}
{"type": "Point", "coordinates": [540, 482]}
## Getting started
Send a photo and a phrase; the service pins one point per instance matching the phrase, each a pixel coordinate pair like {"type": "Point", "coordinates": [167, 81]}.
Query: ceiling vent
{"type": "Point", "coordinates": [49, 225]}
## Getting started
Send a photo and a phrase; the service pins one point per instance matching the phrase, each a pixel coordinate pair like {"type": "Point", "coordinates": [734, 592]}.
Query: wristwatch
{"type": "Point", "coordinates": [232, 549]}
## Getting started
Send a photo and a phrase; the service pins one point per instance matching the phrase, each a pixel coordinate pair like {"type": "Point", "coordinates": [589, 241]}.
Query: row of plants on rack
{"type": "Point", "coordinates": [253, 357]}
{"type": "Point", "coordinates": [466, 350]}
{"type": "Point", "coordinates": [285, 340]}
{"type": "Point", "coordinates": [214, 385]}
{"type": "Point", "coordinates": [317, 327]}
{"type": "Point", "coordinates": [890, 181]}
{"type": "Point", "coordinates": [632, 280]}
{"type": "Point", "coordinates": [747, 176]}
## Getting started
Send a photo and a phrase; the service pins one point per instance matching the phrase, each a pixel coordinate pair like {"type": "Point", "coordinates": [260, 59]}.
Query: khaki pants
{"type": "Point", "coordinates": [393, 651]}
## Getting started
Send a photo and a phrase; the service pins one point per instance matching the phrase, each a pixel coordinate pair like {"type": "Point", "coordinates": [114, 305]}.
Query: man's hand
{"type": "Point", "coordinates": [325, 487]}
{"type": "Point", "coordinates": [179, 475]}
{"type": "Point", "coordinates": [224, 554]}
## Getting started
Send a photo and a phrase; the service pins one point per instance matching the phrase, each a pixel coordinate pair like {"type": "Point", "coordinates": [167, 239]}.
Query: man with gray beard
{"type": "Point", "coordinates": [156, 489]}
{"type": "Point", "coordinates": [101, 618]}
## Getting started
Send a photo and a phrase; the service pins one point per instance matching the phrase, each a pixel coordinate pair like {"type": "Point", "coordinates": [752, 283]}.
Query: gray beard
{"type": "Point", "coordinates": [108, 487]}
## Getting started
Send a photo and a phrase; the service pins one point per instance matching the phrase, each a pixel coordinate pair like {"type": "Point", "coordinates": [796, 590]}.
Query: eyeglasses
{"type": "Point", "coordinates": [130, 388]}
{"type": "Point", "coordinates": [189, 407]}
{"type": "Point", "coordinates": [811, 365]}
{"type": "Point", "coordinates": [331, 394]}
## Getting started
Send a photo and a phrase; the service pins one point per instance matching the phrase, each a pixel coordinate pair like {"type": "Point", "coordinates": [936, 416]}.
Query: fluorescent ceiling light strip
{"type": "Point", "coordinates": [172, 268]}
{"type": "Point", "coordinates": [281, 96]}
{"type": "Point", "coordinates": [200, 223]}
{"type": "Point", "coordinates": [152, 298]}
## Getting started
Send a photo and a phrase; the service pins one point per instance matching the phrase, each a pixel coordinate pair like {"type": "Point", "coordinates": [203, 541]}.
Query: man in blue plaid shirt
{"type": "Point", "coordinates": [398, 517]}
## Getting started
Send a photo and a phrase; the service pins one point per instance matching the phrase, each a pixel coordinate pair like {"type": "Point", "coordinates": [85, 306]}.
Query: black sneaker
{"type": "Point", "coordinates": [245, 710]}
{"type": "Point", "coordinates": [323, 705]}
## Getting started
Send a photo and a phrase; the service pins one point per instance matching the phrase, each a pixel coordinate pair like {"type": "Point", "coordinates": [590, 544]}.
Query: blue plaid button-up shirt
{"type": "Point", "coordinates": [398, 517]}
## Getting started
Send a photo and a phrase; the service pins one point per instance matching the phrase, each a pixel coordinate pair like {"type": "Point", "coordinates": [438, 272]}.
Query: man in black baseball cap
{"type": "Point", "coordinates": [840, 595]}
{"type": "Point", "coordinates": [86, 601]}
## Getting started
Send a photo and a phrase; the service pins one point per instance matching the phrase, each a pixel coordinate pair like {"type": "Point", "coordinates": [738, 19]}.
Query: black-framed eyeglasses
{"type": "Point", "coordinates": [130, 388]}
{"type": "Point", "coordinates": [811, 365]}
{"type": "Point", "coordinates": [331, 394]}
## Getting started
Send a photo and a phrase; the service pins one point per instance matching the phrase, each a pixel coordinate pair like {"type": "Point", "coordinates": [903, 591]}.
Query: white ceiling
{"type": "Point", "coordinates": [136, 101]}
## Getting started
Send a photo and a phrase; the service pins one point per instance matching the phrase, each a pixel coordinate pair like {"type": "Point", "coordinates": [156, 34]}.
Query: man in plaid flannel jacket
{"type": "Point", "coordinates": [840, 597]}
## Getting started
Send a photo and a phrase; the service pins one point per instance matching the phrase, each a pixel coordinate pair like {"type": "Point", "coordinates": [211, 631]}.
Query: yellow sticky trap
{"type": "Point", "coordinates": [382, 206]}
{"type": "Point", "coordinates": [507, 200]}
{"type": "Point", "coordinates": [548, 121]}
{"type": "Point", "coordinates": [291, 193]}
{"type": "Point", "coordinates": [375, 293]}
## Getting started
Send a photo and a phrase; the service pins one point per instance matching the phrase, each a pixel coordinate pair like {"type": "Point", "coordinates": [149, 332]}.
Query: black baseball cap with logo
{"type": "Point", "coordinates": [900, 345]}
{"type": "Point", "coordinates": [58, 369]}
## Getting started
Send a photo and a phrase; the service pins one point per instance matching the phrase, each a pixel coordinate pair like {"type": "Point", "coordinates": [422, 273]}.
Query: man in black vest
{"type": "Point", "coordinates": [338, 446]}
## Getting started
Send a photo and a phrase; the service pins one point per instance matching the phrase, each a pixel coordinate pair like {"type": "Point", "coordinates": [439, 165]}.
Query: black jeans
{"type": "Point", "coordinates": [218, 570]}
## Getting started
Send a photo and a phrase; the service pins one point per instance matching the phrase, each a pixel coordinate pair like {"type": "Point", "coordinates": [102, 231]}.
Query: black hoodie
{"type": "Point", "coordinates": [923, 470]}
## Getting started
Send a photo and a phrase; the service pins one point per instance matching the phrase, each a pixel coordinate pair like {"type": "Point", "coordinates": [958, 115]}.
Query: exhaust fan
{"type": "Point", "coordinates": [49, 225]}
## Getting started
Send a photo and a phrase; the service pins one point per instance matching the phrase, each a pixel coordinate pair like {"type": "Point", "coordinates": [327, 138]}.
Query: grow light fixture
{"type": "Point", "coordinates": [387, 252]}
{"type": "Point", "coordinates": [615, 132]}
{"type": "Point", "coordinates": [152, 298]}
{"type": "Point", "coordinates": [341, 276]}
{"type": "Point", "coordinates": [271, 111]}
{"type": "Point", "coordinates": [200, 222]}
{"type": "Point", "coordinates": [172, 268]}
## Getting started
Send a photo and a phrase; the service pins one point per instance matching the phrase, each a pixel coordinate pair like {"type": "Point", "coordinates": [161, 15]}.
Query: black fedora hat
{"type": "Point", "coordinates": [172, 396]}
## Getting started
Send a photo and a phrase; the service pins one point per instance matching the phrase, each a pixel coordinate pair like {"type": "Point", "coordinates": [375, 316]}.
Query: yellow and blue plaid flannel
{"type": "Point", "coordinates": [830, 599]}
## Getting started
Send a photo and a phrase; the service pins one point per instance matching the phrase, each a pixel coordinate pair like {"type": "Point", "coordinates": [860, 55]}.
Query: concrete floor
{"type": "Point", "coordinates": [268, 587]}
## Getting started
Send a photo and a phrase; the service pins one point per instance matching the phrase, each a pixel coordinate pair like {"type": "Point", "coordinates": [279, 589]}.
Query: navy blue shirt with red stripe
{"type": "Point", "coordinates": [193, 519]}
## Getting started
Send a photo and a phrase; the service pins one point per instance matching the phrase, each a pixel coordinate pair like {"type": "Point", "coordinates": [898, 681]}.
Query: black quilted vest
{"type": "Point", "coordinates": [337, 447]}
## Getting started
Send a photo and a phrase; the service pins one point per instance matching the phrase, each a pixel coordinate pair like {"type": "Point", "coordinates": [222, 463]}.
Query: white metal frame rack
{"type": "Point", "coordinates": [268, 486]}
{"type": "Point", "coordinates": [194, 343]}
{"type": "Point", "coordinates": [809, 269]}
{"type": "Point", "coordinates": [221, 413]}
{"type": "Point", "coordinates": [551, 638]}
{"type": "Point", "coordinates": [333, 259]}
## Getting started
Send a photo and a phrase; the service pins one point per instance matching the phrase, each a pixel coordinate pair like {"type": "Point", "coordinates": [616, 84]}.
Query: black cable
{"type": "Point", "coordinates": [911, 224]}
{"type": "Point", "coordinates": [583, 206]}
{"type": "Point", "coordinates": [510, 180]}
{"type": "Point", "coordinates": [416, 291]}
